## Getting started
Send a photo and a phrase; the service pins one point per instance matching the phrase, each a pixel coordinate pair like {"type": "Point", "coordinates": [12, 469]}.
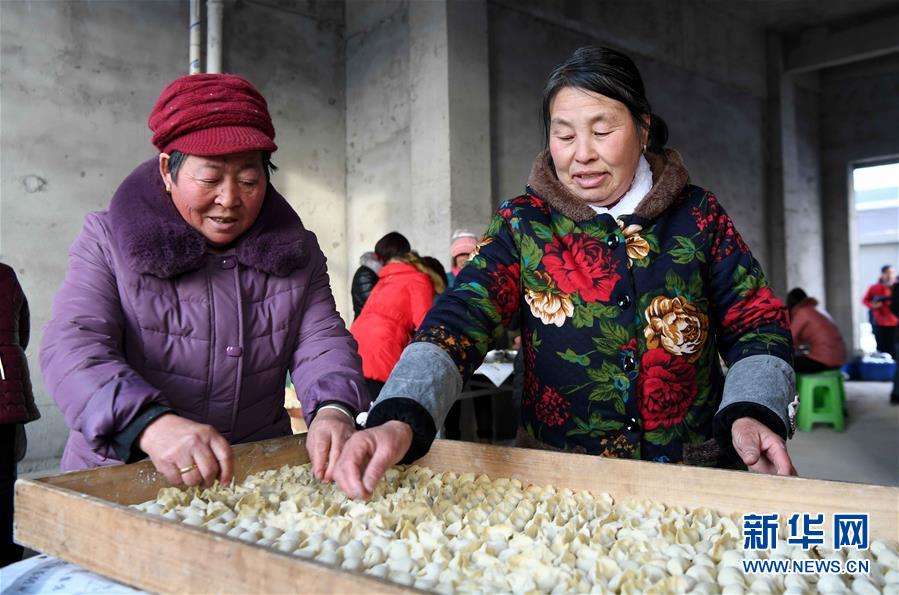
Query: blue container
{"type": "Point", "coordinates": [877, 371]}
{"type": "Point", "coordinates": [851, 369]}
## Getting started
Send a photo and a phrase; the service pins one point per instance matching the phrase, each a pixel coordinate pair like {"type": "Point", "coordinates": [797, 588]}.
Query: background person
{"type": "Point", "coordinates": [462, 245]}
{"type": "Point", "coordinates": [877, 299]}
{"type": "Point", "coordinates": [894, 308]}
{"type": "Point", "coordinates": [364, 280]}
{"type": "Point", "coordinates": [187, 302]}
{"type": "Point", "coordinates": [629, 282]}
{"type": "Point", "coordinates": [432, 267]}
{"type": "Point", "coordinates": [395, 308]}
{"type": "Point", "coordinates": [16, 401]}
{"type": "Point", "coordinates": [817, 340]}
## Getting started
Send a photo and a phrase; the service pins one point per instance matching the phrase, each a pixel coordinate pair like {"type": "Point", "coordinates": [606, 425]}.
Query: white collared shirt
{"type": "Point", "coordinates": [640, 187]}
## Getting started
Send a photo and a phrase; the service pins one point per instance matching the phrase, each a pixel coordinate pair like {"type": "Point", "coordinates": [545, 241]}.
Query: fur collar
{"type": "Point", "coordinates": [156, 240]}
{"type": "Point", "coordinates": [669, 177]}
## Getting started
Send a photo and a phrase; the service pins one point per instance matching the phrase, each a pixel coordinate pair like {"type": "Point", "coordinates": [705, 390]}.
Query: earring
{"type": "Point", "coordinates": [168, 188]}
{"type": "Point", "coordinates": [644, 148]}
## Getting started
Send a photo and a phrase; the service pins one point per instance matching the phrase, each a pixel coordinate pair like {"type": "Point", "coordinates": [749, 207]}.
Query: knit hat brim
{"type": "Point", "coordinates": [223, 140]}
{"type": "Point", "coordinates": [463, 245]}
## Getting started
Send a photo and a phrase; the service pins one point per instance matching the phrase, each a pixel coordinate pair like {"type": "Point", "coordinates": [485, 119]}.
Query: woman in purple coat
{"type": "Point", "coordinates": [187, 302]}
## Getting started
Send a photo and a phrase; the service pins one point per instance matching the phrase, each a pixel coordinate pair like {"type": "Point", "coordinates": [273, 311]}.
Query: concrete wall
{"type": "Point", "coordinates": [859, 120]}
{"type": "Point", "coordinates": [73, 109]}
{"type": "Point", "coordinates": [418, 158]}
{"type": "Point", "coordinates": [704, 73]}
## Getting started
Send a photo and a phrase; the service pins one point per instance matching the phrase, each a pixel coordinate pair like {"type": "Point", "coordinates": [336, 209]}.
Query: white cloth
{"type": "Point", "coordinates": [45, 575]}
{"type": "Point", "coordinates": [640, 187]}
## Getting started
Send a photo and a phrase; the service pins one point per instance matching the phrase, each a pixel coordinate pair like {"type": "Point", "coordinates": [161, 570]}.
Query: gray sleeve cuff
{"type": "Point", "coordinates": [426, 374]}
{"type": "Point", "coordinates": [763, 380]}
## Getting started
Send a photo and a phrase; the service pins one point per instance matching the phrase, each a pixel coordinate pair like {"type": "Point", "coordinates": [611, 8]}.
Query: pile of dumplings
{"type": "Point", "coordinates": [457, 533]}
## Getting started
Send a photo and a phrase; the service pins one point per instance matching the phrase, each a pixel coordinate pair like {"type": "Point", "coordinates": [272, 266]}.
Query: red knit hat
{"type": "Point", "coordinates": [211, 114]}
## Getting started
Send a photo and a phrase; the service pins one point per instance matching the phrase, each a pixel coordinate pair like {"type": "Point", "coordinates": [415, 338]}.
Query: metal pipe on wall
{"type": "Point", "coordinates": [195, 29]}
{"type": "Point", "coordinates": [214, 15]}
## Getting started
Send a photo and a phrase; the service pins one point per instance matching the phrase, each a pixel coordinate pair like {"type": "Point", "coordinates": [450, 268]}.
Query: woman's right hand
{"type": "Point", "coordinates": [176, 444]}
{"type": "Point", "coordinates": [368, 454]}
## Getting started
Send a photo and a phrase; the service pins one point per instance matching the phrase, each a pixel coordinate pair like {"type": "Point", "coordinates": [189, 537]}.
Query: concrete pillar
{"type": "Point", "coordinates": [471, 203]}
{"type": "Point", "coordinates": [804, 248]}
{"type": "Point", "coordinates": [418, 122]}
{"type": "Point", "coordinates": [377, 123]}
{"type": "Point", "coordinates": [841, 257]}
{"type": "Point", "coordinates": [776, 269]}
{"type": "Point", "coordinates": [450, 120]}
{"type": "Point", "coordinates": [794, 193]}
{"type": "Point", "coordinates": [430, 179]}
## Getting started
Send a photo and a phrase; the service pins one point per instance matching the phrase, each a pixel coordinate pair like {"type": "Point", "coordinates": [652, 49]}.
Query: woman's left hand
{"type": "Point", "coordinates": [328, 433]}
{"type": "Point", "coordinates": [761, 449]}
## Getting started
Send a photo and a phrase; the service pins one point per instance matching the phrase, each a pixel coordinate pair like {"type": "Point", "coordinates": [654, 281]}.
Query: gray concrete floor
{"type": "Point", "coordinates": [867, 451]}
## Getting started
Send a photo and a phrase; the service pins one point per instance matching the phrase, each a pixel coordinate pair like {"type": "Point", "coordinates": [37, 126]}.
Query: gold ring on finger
{"type": "Point", "coordinates": [187, 469]}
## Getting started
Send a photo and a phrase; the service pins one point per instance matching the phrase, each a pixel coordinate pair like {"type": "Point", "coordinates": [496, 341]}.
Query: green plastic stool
{"type": "Point", "coordinates": [821, 400]}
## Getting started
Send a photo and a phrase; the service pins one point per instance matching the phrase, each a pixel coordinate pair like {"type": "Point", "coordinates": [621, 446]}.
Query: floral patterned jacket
{"type": "Point", "coordinates": [622, 320]}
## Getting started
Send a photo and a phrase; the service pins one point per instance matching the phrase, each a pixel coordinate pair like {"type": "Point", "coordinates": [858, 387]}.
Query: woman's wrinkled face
{"type": "Point", "coordinates": [219, 196]}
{"type": "Point", "coordinates": [595, 145]}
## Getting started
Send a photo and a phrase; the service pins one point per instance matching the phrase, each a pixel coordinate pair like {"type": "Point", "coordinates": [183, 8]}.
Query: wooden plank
{"type": "Point", "coordinates": [139, 482]}
{"type": "Point", "coordinates": [80, 516]}
{"type": "Point", "coordinates": [158, 555]}
{"type": "Point", "coordinates": [675, 485]}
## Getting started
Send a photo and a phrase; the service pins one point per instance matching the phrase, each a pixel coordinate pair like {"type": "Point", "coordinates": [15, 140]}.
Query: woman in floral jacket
{"type": "Point", "coordinates": [629, 283]}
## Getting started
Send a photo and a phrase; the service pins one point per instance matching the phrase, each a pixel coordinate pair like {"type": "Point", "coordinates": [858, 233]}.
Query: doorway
{"type": "Point", "coordinates": [875, 201]}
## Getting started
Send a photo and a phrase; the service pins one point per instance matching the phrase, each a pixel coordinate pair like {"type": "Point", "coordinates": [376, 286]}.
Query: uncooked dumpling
{"type": "Point", "coordinates": [461, 533]}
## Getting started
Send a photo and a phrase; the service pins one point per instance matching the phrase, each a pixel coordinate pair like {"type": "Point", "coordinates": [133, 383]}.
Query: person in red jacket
{"type": "Point", "coordinates": [894, 308]}
{"type": "Point", "coordinates": [817, 340]}
{"type": "Point", "coordinates": [877, 298]}
{"type": "Point", "coordinates": [397, 305]}
{"type": "Point", "coordinates": [16, 401]}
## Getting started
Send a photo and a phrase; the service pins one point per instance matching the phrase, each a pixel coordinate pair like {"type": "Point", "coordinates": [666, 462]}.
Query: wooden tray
{"type": "Point", "coordinates": [83, 517]}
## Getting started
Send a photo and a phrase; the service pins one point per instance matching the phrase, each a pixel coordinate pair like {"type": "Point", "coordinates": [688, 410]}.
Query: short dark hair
{"type": "Point", "coordinates": [392, 245]}
{"type": "Point", "coordinates": [609, 73]}
{"type": "Point", "coordinates": [177, 159]}
{"type": "Point", "coordinates": [796, 295]}
{"type": "Point", "coordinates": [885, 268]}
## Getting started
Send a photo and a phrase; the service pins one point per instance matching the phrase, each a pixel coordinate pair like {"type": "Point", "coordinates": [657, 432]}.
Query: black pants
{"type": "Point", "coordinates": [483, 413]}
{"type": "Point", "coordinates": [894, 395]}
{"type": "Point", "coordinates": [886, 339]}
{"type": "Point", "coordinates": [806, 365]}
{"type": "Point", "coordinates": [9, 551]}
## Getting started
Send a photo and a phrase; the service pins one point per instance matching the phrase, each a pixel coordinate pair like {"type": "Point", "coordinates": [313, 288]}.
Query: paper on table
{"type": "Point", "coordinates": [497, 373]}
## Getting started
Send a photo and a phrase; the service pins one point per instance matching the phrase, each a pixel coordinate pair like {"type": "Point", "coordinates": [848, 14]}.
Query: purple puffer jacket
{"type": "Point", "coordinates": [146, 315]}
